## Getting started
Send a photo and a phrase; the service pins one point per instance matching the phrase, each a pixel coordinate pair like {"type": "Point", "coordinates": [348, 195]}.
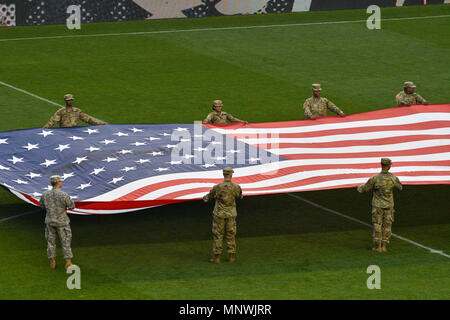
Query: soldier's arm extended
{"type": "Point", "coordinates": [400, 101]}
{"type": "Point", "coordinates": [211, 195]}
{"type": "Point", "coordinates": [239, 193]}
{"type": "Point", "coordinates": [233, 119]}
{"type": "Point", "coordinates": [307, 110]}
{"type": "Point", "coordinates": [69, 203]}
{"type": "Point", "coordinates": [91, 120]}
{"type": "Point", "coordinates": [208, 118]}
{"type": "Point", "coordinates": [332, 107]}
{"type": "Point", "coordinates": [54, 119]}
{"type": "Point", "coordinates": [398, 184]}
{"type": "Point", "coordinates": [367, 187]}
{"type": "Point", "coordinates": [420, 99]}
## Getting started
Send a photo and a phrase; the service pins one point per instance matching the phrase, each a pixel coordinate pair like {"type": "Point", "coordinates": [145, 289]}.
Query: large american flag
{"type": "Point", "coordinates": [121, 168]}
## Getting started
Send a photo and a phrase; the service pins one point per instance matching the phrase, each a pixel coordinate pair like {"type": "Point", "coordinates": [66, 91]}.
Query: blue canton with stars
{"type": "Point", "coordinates": [95, 160]}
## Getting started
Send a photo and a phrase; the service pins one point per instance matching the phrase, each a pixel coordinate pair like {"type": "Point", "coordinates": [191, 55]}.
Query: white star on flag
{"type": "Point", "coordinates": [201, 149]}
{"type": "Point", "coordinates": [220, 158]}
{"type": "Point", "coordinates": [45, 133]}
{"type": "Point", "coordinates": [109, 159]}
{"type": "Point", "coordinates": [180, 129]}
{"type": "Point", "coordinates": [162, 169]}
{"type": "Point", "coordinates": [175, 162]}
{"type": "Point", "coordinates": [126, 169]}
{"type": "Point", "coordinates": [48, 163]}
{"type": "Point", "coordinates": [106, 141]}
{"type": "Point", "coordinates": [80, 160]}
{"type": "Point", "coordinates": [138, 144]}
{"type": "Point", "coordinates": [165, 134]}
{"type": "Point", "coordinates": [234, 151]}
{"type": "Point", "coordinates": [84, 186]}
{"type": "Point", "coordinates": [141, 161]}
{"type": "Point", "coordinates": [14, 160]}
{"type": "Point", "coordinates": [124, 151]}
{"type": "Point", "coordinates": [152, 138]}
{"type": "Point", "coordinates": [48, 188]}
{"type": "Point", "coordinates": [253, 159]}
{"type": "Point", "coordinates": [90, 131]}
{"type": "Point", "coordinates": [154, 153]}
{"type": "Point", "coordinates": [97, 171]}
{"type": "Point", "coordinates": [33, 175]}
{"type": "Point", "coordinates": [115, 180]}
{"type": "Point", "coordinates": [136, 130]}
{"type": "Point", "coordinates": [4, 168]}
{"type": "Point", "coordinates": [171, 146]}
{"type": "Point", "coordinates": [74, 138]}
{"type": "Point", "coordinates": [62, 147]}
{"type": "Point", "coordinates": [3, 141]}
{"type": "Point", "coordinates": [216, 142]}
{"type": "Point", "coordinates": [207, 165]}
{"type": "Point", "coordinates": [185, 140]}
{"type": "Point", "coordinates": [31, 146]}
{"type": "Point", "coordinates": [20, 181]}
{"type": "Point", "coordinates": [36, 194]}
{"type": "Point", "coordinates": [121, 134]}
{"type": "Point", "coordinates": [91, 149]}
{"type": "Point", "coordinates": [188, 156]}
{"type": "Point", "coordinates": [67, 175]}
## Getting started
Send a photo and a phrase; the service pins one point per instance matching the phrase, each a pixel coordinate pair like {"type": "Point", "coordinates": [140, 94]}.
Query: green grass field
{"type": "Point", "coordinates": [287, 249]}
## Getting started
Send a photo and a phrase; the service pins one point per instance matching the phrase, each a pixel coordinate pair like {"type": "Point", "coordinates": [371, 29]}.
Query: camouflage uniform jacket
{"type": "Point", "coordinates": [70, 117]}
{"type": "Point", "coordinates": [55, 202]}
{"type": "Point", "coordinates": [382, 185]}
{"type": "Point", "coordinates": [406, 99]}
{"type": "Point", "coordinates": [222, 117]}
{"type": "Point", "coordinates": [225, 194]}
{"type": "Point", "coordinates": [317, 107]}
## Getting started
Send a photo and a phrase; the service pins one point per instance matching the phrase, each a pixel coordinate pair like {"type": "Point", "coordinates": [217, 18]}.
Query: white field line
{"type": "Point", "coordinates": [29, 93]}
{"type": "Point", "coordinates": [220, 29]}
{"type": "Point", "coordinates": [19, 215]}
{"type": "Point", "coordinates": [367, 225]}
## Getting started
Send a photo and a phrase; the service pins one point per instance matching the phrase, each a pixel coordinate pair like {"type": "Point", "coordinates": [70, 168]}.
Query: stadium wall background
{"type": "Point", "coordinates": [42, 12]}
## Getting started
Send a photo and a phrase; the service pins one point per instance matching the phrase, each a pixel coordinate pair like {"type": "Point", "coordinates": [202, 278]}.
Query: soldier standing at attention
{"type": "Point", "coordinates": [70, 116]}
{"type": "Point", "coordinates": [55, 202]}
{"type": "Point", "coordinates": [316, 106]}
{"type": "Point", "coordinates": [224, 215]}
{"type": "Point", "coordinates": [408, 97]}
{"type": "Point", "coordinates": [219, 116]}
{"type": "Point", "coordinates": [382, 185]}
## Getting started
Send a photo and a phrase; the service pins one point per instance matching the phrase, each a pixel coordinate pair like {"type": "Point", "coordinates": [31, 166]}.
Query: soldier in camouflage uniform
{"type": "Point", "coordinates": [408, 97]}
{"type": "Point", "coordinates": [219, 116]}
{"type": "Point", "coordinates": [55, 202]}
{"type": "Point", "coordinates": [70, 116]}
{"type": "Point", "coordinates": [382, 185]}
{"type": "Point", "coordinates": [224, 215]}
{"type": "Point", "coordinates": [316, 106]}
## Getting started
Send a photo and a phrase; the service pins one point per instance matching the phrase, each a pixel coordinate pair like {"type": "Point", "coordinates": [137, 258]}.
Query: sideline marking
{"type": "Point", "coordinates": [19, 215]}
{"type": "Point", "coordinates": [29, 93]}
{"type": "Point", "coordinates": [367, 225]}
{"type": "Point", "coordinates": [223, 28]}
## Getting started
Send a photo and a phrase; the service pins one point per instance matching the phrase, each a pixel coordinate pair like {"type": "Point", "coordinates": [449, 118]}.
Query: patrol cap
{"type": "Point", "coordinates": [217, 103]}
{"type": "Point", "coordinates": [316, 87]}
{"type": "Point", "coordinates": [409, 84]}
{"type": "Point", "coordinates": [55, 179]}
{"type": "Point", "coordinates": [68, 97]}
{"type": "Point", "coordinates": [228, 170]}
{"type": "Point", "coordinates": [386, 161]}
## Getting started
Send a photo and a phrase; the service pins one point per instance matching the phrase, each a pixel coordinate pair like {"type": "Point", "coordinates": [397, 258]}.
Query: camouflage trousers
{"type": "Point", "coordinates": [65, 236]}
{"type": "Point", "coordinates": [382, 219]}
{"type": "Point", "coordinates": [221, 227]}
